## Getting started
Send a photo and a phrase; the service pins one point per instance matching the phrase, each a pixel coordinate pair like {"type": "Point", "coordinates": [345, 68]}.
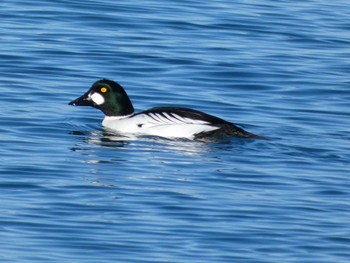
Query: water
{"type": "Point", "coordinates": [72, 192]}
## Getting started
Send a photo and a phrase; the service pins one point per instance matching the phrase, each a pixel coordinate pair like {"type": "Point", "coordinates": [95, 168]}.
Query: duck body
{"type": "Point", "coordinates": [173, 122]}
{"type": "Point", "coordinates": [168, 122]}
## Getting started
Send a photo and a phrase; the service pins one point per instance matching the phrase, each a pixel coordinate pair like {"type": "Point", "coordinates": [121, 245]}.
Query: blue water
{"type": "Point", "coordinates": [72, 192]}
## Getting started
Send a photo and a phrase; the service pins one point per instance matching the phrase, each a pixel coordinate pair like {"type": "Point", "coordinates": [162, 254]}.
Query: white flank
{"type": "Point", "coordinates": [170, 126]}
{"type": "Point", "coordinates": [97, 98]}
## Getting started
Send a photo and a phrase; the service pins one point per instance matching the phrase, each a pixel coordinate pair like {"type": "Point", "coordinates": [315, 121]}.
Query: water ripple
{"type": "Point", "coordinates": [72, 191]}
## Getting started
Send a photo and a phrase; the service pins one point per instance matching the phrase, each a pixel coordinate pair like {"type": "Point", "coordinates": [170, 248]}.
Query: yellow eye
{"type": "Point", "coordinates": [103, 89]}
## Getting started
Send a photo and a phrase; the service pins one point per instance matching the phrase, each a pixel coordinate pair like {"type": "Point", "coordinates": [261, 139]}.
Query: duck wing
{"type": "Point", "coordinates": [182, 115]}
{"type": "Point", "coordinates": [174, 115]}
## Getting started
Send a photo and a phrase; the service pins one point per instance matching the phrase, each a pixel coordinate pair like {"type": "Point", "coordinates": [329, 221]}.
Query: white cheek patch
{"type": "Point", "coordinates": [97, 98]}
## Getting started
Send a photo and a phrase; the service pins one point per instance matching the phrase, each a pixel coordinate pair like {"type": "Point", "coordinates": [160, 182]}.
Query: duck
{"type": "Point", "coordinates": [167, 122]}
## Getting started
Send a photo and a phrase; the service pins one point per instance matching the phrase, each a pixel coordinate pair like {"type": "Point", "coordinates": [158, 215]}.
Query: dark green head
{"type": "Point", "coordinates": [107, 96]}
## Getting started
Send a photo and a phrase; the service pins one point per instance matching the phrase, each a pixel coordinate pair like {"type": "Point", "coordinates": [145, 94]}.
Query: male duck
{"type": "Point", "coordinates": [170, 122]}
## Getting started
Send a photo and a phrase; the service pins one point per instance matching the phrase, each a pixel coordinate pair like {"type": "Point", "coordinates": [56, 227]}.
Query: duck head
{"type": "Point", "coordinates": [107, 96]}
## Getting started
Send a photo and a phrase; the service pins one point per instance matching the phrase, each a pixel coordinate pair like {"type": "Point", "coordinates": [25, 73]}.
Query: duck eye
{"type": "Point", "coordinates": [103, 89]}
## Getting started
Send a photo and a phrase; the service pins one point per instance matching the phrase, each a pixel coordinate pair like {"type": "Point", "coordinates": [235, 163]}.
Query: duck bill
{"type": "Point", "coordinates": [84, 100]}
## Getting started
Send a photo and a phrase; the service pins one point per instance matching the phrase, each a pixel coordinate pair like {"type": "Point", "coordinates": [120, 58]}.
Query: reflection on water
{"type": "Point", "coordinates": [185, 147]}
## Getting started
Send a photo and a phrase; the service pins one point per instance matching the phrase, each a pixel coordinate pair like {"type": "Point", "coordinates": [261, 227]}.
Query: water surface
{"type": "Point", "coordinates": [73, 192]}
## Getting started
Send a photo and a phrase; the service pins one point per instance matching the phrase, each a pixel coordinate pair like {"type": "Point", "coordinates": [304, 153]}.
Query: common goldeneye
{"type": "Point", "coordinates": [170, 122]}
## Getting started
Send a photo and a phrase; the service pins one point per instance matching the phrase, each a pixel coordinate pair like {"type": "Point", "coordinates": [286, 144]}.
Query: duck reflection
{"type": "Point", "coordinates": [108, 139]}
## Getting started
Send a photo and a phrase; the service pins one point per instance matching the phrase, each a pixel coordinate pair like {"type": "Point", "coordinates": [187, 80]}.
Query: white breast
{"type": "Point", "coordinates": [164, 124]}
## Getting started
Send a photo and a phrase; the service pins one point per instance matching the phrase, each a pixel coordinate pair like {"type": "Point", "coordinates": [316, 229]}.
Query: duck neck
{"type": "Point", "coordinates": [118, 109]}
